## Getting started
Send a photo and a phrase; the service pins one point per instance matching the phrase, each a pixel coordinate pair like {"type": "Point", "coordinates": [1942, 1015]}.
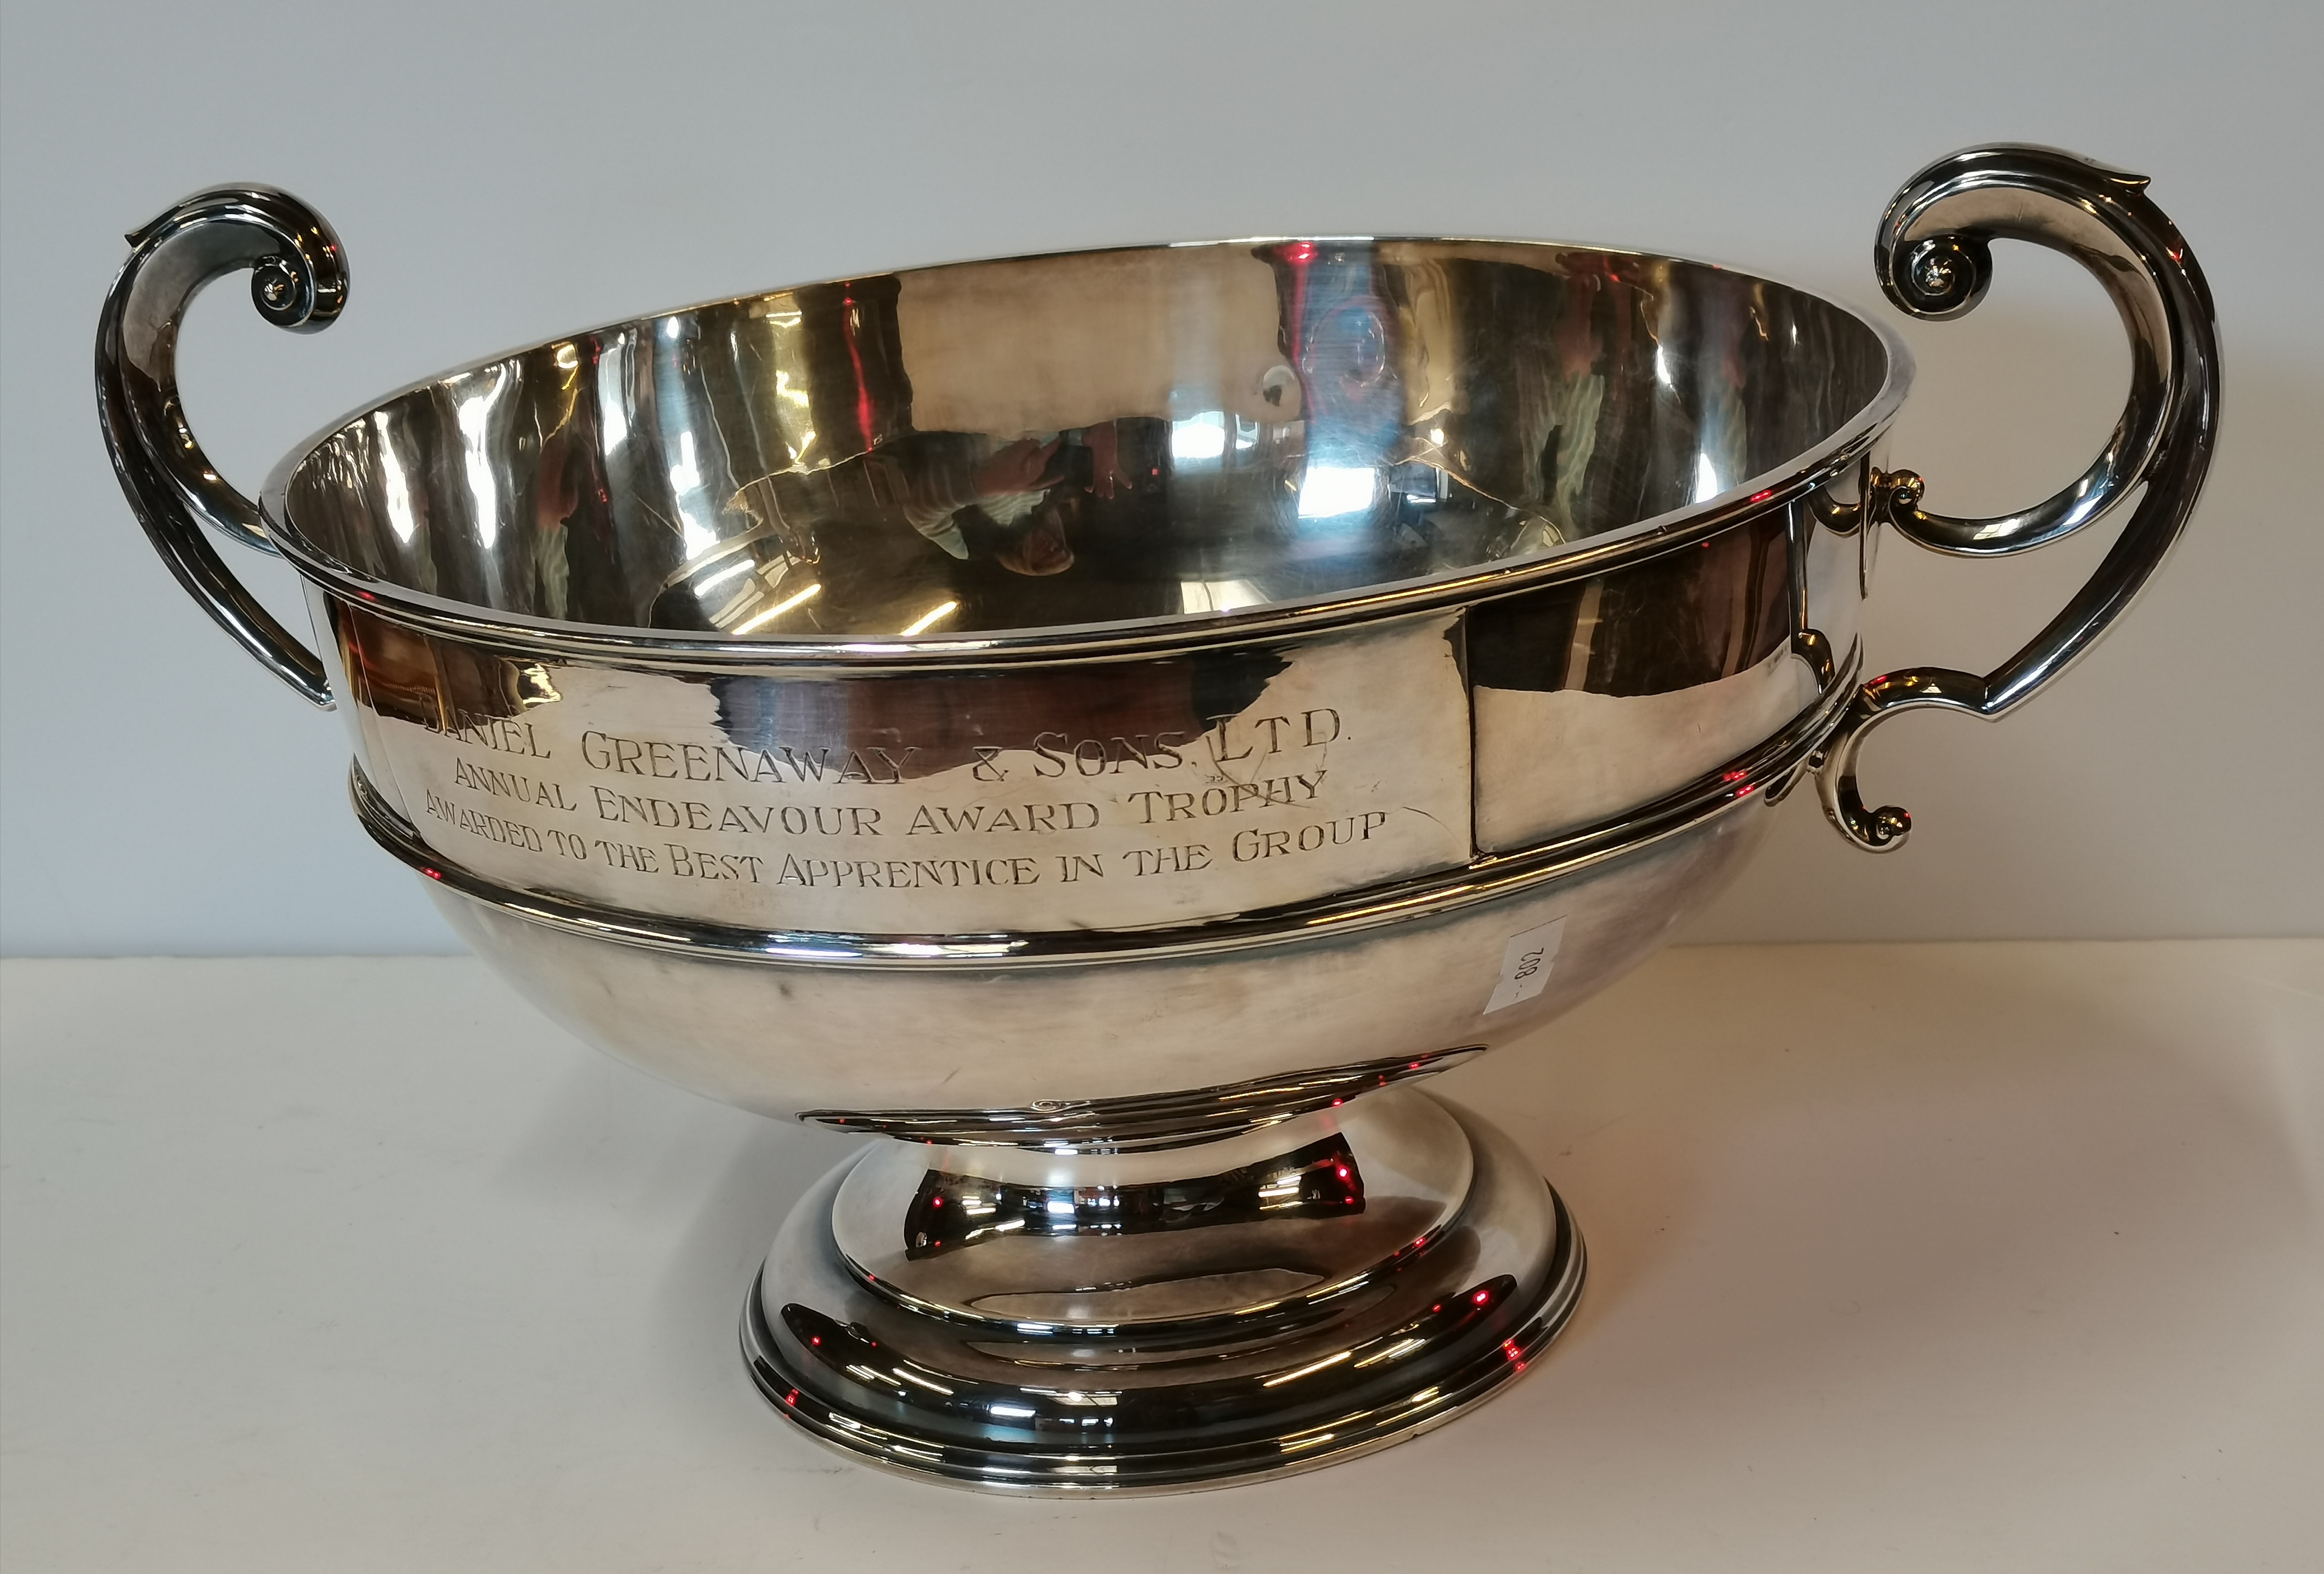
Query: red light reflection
{"type": "Point", "coordinates": [850, 319]}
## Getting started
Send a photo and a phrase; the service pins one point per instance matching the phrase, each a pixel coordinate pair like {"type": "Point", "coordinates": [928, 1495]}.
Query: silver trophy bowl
{"type": "Point", "coordinates": [1113, 722]}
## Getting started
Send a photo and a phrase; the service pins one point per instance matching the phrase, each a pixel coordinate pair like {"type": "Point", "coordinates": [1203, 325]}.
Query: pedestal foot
{"type": "Point", "coordinates": [1074, 1322]}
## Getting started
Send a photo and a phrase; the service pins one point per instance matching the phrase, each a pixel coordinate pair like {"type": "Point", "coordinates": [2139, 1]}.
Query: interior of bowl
{"type": "Point", "coordinates": [1085, 439]}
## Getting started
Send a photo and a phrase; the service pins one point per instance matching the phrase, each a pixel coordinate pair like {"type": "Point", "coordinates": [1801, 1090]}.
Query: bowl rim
{"type": "Point", "coordinates": [1777, 487]}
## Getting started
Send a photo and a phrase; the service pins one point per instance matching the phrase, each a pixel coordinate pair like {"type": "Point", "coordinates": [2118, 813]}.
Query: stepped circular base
{"type": "Point", "coordinates": [1162, 1323]}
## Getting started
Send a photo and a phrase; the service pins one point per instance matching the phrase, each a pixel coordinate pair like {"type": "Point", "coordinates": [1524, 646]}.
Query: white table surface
{"type": "Point", "coordinates": [2002, 1256]}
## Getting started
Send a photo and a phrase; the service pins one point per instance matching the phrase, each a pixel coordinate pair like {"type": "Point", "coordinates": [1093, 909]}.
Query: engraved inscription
{"type": "Point", "coordinates": [509, 784]}
{"type": "Point", "coordinates": [671, 762]}
{"type": "Point", "coordinates": [1051, 800]}
{"type": "Point", "coordinates": [478, 822]}
{"type": "Point", "coordinates": [917, 874]}
{"type": "Point", "coordinates": [499, 735]}
{"type": "Point", "coordinates": [1309, 838]}
{"type": "Point", "coordinates": [1230, 798]}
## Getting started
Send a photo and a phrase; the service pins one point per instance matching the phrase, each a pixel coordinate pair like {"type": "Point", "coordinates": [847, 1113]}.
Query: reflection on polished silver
{"type": "Point", "coordinates": [298, 281]}
{"type": "Point", "coordinates": [1933, 261]}
{"type": "Point", "coordinates": [1152, 1119]}
{"type": "Point", "coordinates": [1108, 723]}
{"type": "Point", "coordinates": [1768, 770]}
{"type": "Point", "coordinates": [1225, 1315]}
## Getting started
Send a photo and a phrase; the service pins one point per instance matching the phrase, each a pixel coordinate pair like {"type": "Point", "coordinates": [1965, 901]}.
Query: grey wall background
{"type": "Point", "coordinates": [500, 174]}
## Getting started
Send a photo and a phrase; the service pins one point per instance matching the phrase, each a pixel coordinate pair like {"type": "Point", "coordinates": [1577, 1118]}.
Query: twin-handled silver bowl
{"type": "Point", "coordinates": [1095, 716]}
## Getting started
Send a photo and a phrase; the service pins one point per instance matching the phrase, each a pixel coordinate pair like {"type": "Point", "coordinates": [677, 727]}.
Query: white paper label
{"type": "Point", "coordinates": [1525, 965]}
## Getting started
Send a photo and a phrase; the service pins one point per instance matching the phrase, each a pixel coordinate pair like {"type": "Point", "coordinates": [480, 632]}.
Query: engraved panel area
{"type": "Point", "coordinates": [1602, 695]}
{"type": "Point", "coordinates": [1101, 795]}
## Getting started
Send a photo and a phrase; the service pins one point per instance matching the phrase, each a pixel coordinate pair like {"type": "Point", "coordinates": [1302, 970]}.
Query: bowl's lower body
{"type": "Point", "coordinates": [939, 1050]}
{"type": "Point", "coordinates": [1071, 1322]}
{"type": "Point", "coordinates": [1158, 1209]}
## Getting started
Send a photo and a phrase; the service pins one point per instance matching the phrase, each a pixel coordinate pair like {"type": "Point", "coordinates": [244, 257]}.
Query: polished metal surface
{"type": "Point", "coordinates": [1081, 797]}
{"type": "Point", "coordinates": [1059, 1235]}
{"type": "Point", "coordinates": [298, 280]}
{"type": "Point", "coordinates": [1933, 260]}
{"type": "Point", "coordinates": [1035, 453]}
{"type": "Point", "coordinates": [1237, 1312]}
{"type": "Point", "coordinates": [1769, 770]}
{"type": "Point", "coordinates": [1149, 1120]}
{"type": "Point", "coordinates": [990, 1041]}
{"type": "Point", "coordinates": [1110, 721]}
